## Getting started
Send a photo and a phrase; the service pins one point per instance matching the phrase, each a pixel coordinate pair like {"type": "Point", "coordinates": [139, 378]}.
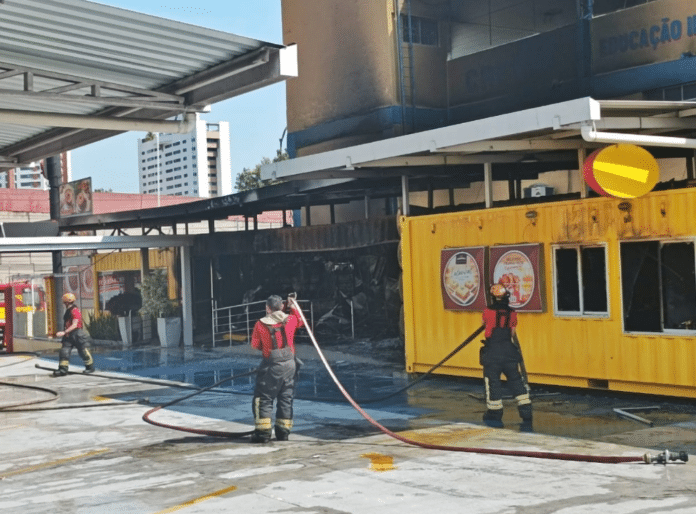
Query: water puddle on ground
{"type": "Point", "coordinates": [437, 401]}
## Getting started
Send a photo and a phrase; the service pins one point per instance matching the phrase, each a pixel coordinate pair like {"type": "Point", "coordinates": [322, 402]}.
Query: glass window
{"type": "Point", "coordinates": [423, 31]}
{"type": "Point", "coordinates": [658, 283]}
{"type": "Point", "coordinates": [567, 280]}
{"type": "Point", "coordinates": [678, 285]}
{"type": "Point", "coordinates": [594, 280]}
{"type": "Point", "coordinates": [580, 280]}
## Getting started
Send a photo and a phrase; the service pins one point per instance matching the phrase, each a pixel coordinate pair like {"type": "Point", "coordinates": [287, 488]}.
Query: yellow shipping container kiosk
{"type": "Point", "coordinates": [614, 283]}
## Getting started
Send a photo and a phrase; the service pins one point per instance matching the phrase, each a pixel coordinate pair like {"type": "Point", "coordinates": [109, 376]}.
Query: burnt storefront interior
{"type": "Point", "coordinates": [338, 268]}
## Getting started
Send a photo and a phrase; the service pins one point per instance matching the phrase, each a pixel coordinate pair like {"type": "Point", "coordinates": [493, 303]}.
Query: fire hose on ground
{"type": "Point", "coordinates": [147, 419]}
{"type": "Point", "coordinates": [661, 458]}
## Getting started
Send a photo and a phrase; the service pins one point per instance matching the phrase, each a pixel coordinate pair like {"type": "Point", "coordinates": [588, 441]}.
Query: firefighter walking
{"type": "Point", "coordinates": [501, 356]}
{"type": "Point", "coordinates": [73, 335]}
{"type": "Point", "coordinates": [274, 335]}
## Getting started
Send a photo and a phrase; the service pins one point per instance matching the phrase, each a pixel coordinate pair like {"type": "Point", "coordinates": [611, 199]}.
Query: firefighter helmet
{"type": "Point", "coordinates": [498, 290]}
{"type": "Point", "coordinates": [69, 298]}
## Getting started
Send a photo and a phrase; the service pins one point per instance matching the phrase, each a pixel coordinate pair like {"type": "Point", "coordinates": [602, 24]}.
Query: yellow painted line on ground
{"type": "Point", "coordinates": [10, 427]}
{"type": "Point", "coordinates": [101, 399]}
{"type": "Point", "coordinates": [52, 463]}
{"type": "Point", "coordinates": [379, 462]}
{"type": "Point", "coordinates": [198, 500]}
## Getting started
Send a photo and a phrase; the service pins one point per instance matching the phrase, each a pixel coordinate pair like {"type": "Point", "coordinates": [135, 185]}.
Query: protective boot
{"type": "Point", "coordinates": [281, 433]}
{"type": "Point", "coordinates": [526, 415]}
{"type": "Point", "coordinates": [89, 368]}
{"type": "Point", "coordinates": [60, 372]}
{"type": "Point", "coordinates": [261, 436]}
{"type": "Point", "coordinates": [493, 418]}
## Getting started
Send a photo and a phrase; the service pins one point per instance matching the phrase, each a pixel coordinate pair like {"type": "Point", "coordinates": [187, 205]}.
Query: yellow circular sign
{"type": "Point", "coordinates": [622, 171]}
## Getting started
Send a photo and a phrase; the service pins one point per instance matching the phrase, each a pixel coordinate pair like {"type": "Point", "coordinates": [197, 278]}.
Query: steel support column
{"type": "Point", "coordinates": [488, 183]}
{"type": "Point", "coordinates": [186, 296]}
{"type": "Point", "coordinates": [404, 196]}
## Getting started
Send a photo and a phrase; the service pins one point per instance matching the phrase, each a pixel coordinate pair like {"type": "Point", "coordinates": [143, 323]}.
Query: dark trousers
{"type": "Point", "coordinates": [492, 372]}
{"type": "Point", "coordinates": [275, 381]}
{"type": "Point", "coordinates": [75, 339]}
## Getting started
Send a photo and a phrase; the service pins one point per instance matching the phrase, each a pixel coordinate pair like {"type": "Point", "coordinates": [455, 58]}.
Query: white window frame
{"type": "Point", "coordinates": [580, 313]}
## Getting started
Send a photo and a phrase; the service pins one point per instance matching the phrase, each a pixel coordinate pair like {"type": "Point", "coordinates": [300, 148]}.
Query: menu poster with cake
{"type": "Point", "coordinates": [517, 268]}
{"type": "Point", "coordinates": [462, 274]}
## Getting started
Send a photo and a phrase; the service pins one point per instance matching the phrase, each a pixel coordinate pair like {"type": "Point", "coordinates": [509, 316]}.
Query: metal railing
{"type": "Point", "coordinates": [234, 324]}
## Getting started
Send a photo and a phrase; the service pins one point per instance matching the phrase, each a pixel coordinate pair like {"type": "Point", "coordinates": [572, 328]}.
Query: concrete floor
{"type": "Point", "coordinates": [90, 452]}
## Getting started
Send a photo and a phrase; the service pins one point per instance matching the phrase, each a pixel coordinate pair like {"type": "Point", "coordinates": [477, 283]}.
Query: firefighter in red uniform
{"type": "Point", "coordinates": [500, 355]}
{"type": "Point", "coordinates": [73, 336]}
{"type": "Point", "coordinates": [275, 381]}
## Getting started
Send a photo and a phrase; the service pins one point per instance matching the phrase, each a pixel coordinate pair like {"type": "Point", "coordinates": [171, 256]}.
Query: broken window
{"type": "Point", "coordinates": [658, 282]}
{"type": "Point", "coordinates": [581, 280]}
{"type": "Point", "coordinates": [421, 31]}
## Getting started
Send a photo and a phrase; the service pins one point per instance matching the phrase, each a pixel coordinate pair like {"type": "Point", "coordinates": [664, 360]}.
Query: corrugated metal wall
{"type": "Point", "coordinates": [560, 350]}
{"type": "Point", "coordinates": [356, 234]}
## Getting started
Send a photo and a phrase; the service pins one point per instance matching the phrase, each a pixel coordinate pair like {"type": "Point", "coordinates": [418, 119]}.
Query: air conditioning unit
{"type": "Point", "coordinates": [537, 190]}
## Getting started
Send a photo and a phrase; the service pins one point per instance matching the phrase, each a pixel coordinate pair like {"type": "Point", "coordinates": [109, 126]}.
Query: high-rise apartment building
{"type": "Point", "coordinates": [32, 176]}
{"type": "Point", "coordinates": [193, 164]}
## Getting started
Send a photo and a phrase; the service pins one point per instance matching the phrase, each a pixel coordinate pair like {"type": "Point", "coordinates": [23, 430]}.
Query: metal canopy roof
{"type": "Point", "coordinates": [552, 133]}
{"type": "Point", "coordinates": [520, 145]}
{"type": "Point", "coordinates": [73, 72]}
{"type": "Point", "coordinates": [48, 244]}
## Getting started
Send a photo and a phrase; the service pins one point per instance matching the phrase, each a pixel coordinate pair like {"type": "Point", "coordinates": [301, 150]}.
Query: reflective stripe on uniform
{"type": "Point", "coordinates": [491, 404]}
{"type": "Point", "coordinates": [523, 399]}
{"type": "Point", "coordinates": [64, 364]}
{"type": "Point", "coordinates": [284, 423]}
{"type": "Point", "coordinates": [494, 404]}
{"type": "Point", "coordinates": [263, 424]}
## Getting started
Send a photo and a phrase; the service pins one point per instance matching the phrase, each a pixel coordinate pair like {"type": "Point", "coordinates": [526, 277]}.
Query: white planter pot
{"type": "Point", "coordinates": [169, 331]}
{"type": "Point", "coordinates": [125, 328]}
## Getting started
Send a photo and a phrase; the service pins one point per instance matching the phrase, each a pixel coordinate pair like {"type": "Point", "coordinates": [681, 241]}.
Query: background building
{"type": "Point", "coordinates": [194, 164]}
{"type": "Point", "coordinates": [375, 70]}
{"type": "Point", "coordinates": [33, 175]}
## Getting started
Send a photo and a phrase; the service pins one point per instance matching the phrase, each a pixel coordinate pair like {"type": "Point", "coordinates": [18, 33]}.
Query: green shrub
{"type": "Point", "coordinates": [104, 326]}
{"type": "Point", "coordinates": [156, 302]}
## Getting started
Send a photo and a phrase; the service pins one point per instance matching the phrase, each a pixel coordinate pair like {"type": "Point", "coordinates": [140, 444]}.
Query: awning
{"type": "Point", "coordinates": [556, 133]}
{"type": "Point", "coordinates": [73, 72]}
{"type": "Point", "coordinates": [50, 244]}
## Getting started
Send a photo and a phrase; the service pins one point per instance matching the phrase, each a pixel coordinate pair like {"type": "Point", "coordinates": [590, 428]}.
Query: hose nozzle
{"type": "Point", "coordinates": [665, 457]}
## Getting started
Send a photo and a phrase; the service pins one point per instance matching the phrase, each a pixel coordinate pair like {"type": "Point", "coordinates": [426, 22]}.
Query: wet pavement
{"type": "Point", "coordinates": [91, 452]}
{"type": "Point", "coordinates": [435, 401]}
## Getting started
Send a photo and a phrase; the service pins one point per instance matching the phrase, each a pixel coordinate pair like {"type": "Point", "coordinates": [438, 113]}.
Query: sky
{"type": "Point", "coordinates": [257, 119]}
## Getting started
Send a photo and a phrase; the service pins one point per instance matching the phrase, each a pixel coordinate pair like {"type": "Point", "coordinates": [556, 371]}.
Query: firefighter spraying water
{"type": "Point", "coordinates": [501, 356]}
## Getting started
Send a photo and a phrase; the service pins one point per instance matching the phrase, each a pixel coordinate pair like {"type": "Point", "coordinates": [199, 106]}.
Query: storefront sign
{"type": "Point", "coordinates": [462, 278]}
{"type": "Point", "coordinates": [517, 267]}
{"type": "Point", "coordinates": [621, 171]}
{"type": "Point", "coordinates": [645, 34]}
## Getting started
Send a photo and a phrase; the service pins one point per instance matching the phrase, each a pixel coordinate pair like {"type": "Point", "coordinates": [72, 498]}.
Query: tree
{"type": "Point", "coordinates": [149, 137]}
{"type": "Point", "coordinates": [251, 178]}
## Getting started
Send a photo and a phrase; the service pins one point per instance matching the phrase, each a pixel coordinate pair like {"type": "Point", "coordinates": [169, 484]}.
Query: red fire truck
{"type": "Point", "coordinates": [27, 298]}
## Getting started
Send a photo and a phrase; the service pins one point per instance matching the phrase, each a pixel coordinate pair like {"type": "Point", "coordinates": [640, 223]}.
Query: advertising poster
{"type": "Point", "coordinates": [109, 286]}
{"type": "Point", "coordinates": [76, 198]}
{"type": "Point", "coordinates": [462, 278]}
{"type": "Point", "coordinates": [517, 267]}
